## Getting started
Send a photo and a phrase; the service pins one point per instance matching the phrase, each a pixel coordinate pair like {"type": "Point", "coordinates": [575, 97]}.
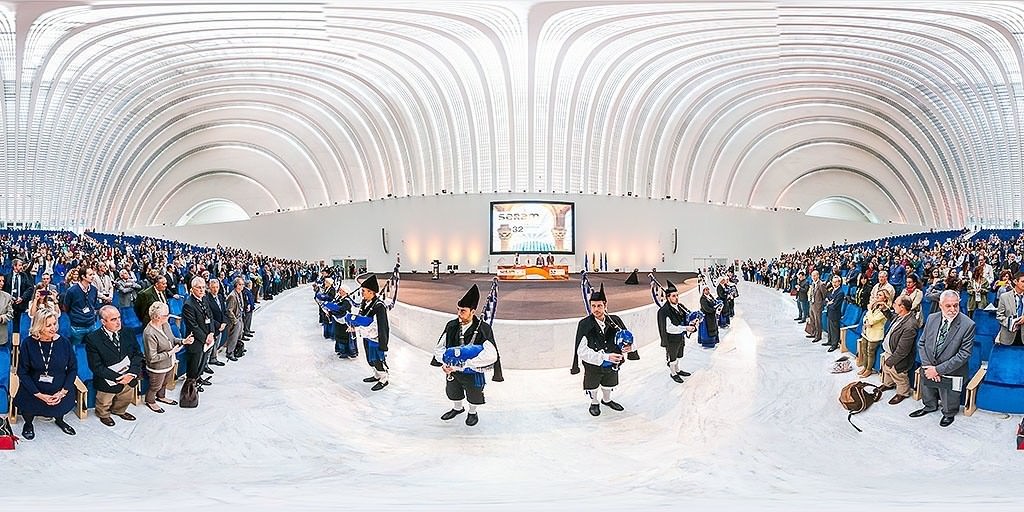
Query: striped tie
{"type": "Point", "coordinates": [942, 336]}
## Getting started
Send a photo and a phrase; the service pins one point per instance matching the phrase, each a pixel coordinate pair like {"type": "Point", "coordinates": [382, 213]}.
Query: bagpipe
{"type": "Point", "coordinates": [659, 296]}
{"type": "Point", "coordinates": [389, 293]}
{"type": "Point", "coordinates": [458, 356]}
{"type": "Point", "coordinates": [624, 336]}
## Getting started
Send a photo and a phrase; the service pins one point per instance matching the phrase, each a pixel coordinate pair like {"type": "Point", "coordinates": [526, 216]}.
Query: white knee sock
{"type": "Point", "coordinates": [457, 405]}
{"type": "Point", "coordinates": [472, 409]}
{"type": "Point", "coordinates": [606, 394]}
{"type": "Point", "coordinates": [674, 367]}
{"type": "Point", "coordinates": [593, 396]}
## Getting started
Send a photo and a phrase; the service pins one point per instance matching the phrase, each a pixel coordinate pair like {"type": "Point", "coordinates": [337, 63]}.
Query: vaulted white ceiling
{"type": "Point", "coordinates": [118, 114]}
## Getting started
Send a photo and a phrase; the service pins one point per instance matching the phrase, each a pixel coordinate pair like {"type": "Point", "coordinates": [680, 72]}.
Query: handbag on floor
{"type": "Point", "coordinates": [7, 438]}
{"type": "Point", "coordinates": [189, 398]}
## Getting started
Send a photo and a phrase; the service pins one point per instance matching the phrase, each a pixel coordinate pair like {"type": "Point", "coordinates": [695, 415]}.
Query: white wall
{"type": "Point", "coordinates": [454, 228]}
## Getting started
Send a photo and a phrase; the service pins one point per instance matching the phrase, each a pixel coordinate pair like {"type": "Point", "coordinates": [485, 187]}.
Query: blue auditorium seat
{"type": "Point", "coordinates": [1002, 388]}
{"type": "Point", "coordinates": [5, 376]}
{"type": "Point", "coordinates": [85, 373]}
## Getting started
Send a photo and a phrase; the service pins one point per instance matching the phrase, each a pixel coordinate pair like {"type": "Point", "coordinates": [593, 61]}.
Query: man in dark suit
{"type": "Point", "coordinates": [834, 312]}
{"type": "Point", "coordinates": [898, 347]}
{"type": "Point", "coordinates": [198, 323]}
{"type": "Point", "coordinates": [20, 285]}
{"type": "Point", "coordinates": [216, 304]}
{"type": "Point", "coordinates": [147, 297]}
{"type": "Point", "coordinates": [945, 349]}
{"type": "Point", "coordinates": [116, 363]}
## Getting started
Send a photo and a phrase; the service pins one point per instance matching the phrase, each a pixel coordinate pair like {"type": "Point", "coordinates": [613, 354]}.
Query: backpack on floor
{"type": "Point", "coordinates": [856, 398]}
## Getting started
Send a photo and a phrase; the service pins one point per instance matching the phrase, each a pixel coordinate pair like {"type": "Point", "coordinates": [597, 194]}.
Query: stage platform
{"type": "Point", "coordinates": [534, 300]}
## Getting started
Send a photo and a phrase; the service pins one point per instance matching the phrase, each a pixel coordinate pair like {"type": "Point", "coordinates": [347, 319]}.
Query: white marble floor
{"type": "Point", "coordinates": [757, 425]}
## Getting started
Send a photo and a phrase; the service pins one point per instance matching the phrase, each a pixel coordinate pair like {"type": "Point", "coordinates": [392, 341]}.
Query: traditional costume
{"type": "Point", "coordinates": [708, 333]}
{"type": "Point", "coordinates": [371, 326]}
{"type": "Point", "coordinates": [674, 327]}
{"type": "Point", "coordinates": [470, 350]}
{"type": "Point", "coordinates": [596, 341]}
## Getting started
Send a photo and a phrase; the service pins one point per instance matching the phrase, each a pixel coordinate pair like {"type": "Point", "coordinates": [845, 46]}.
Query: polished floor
{"type": "Point", "coordinates": [757, 426]}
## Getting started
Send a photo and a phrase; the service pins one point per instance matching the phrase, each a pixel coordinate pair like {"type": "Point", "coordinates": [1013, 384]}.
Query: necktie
{"type": "Point", "coordinates": [942, 335]}
{"type": "Point", "coordinates": [1020, 306]}
{"type": "Point", "coordinates": [16, 289]}
{"type": "Point", "coordinates": [117, 342]}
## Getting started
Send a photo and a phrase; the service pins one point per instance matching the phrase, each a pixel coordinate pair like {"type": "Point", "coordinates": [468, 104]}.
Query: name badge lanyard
{"type": "Point", "coordinates": [46, 377]}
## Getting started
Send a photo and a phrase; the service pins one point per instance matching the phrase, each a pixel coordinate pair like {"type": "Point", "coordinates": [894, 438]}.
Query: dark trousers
{"type": "Point", "coordinates": [950, 399]}
{"type": "Point", "coordinates": [833, 330]}
{"type": "Point", "coordinates": [195, 364]}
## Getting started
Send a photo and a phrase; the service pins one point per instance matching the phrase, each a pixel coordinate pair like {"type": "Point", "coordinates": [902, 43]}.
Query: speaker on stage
{"type": "Point", "coordinates": [633, 279]}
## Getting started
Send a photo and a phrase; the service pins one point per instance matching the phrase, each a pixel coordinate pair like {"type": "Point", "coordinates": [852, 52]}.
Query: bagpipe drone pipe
{"type": "Point", "coordinates": [658, 294]}
{"type": "Point", "coordinates": [587, 290]}
{"type": "Point", "coordinates": [458, 356]}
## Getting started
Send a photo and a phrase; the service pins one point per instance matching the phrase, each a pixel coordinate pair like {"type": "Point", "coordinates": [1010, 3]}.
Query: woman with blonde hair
{"type": "Point", "coordinates": [872, 335]}
{"type": "Point", "coordinates": [160, 347]}
{"type": "Point", "coordinates": [46, 371]}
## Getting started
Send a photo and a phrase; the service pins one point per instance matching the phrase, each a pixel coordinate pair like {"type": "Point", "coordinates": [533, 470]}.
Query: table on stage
{"type": "Point", "coordinates": [530, 272]}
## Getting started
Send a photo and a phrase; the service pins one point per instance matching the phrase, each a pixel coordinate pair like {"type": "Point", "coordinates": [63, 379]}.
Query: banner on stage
{"type": "Point", "coordinates": [518, 273]}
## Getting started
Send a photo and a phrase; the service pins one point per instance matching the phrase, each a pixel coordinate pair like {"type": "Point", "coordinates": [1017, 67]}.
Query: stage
{"type": "Point", "coordinates": [534, 300]}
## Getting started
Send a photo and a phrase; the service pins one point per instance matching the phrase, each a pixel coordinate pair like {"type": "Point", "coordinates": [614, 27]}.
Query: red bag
{"type": "Point", "coordinates": [1020, 435]}
{"type": "Point", "coordinates": [8, 442]}
{"type": "Point", "coordinates": [7, 438]}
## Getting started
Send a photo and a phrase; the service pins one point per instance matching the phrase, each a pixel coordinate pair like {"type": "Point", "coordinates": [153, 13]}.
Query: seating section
{"type": "Point", "coordinates": [5, 377]}
{"type": "Point", "coordinates": [1001, 388]}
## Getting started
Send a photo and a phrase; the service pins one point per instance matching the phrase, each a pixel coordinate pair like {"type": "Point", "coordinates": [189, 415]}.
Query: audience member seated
{"type": "Point", "coordinates": [115, 364]}
{"type": "Point", "coordinates": [47, 369]}
{"type": "Point", "coordinates": [161, 349]}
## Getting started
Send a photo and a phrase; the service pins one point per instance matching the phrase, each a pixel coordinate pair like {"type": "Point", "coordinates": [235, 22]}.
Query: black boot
{"type": "Point", "coordinates": [451, 414]}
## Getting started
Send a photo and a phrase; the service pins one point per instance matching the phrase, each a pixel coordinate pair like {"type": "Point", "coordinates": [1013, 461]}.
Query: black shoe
{"type": "Point", "coordinates": [208, 370]}
{"type": "Point", "coordinates": [218, 363]}
{"type": "Point", "coordinates": [246, 338]}
{"type": "Point", "coordinates": [64, 427]}
{"type": "Point", "coordinates": [127, 416]}
{"type": "Point", "coordinates": [802, 322]}
{"type": "Point", "coordinates": [677, 378]}
{"type": "Point", "coordinates": [200, 388]}
{"type": "Point", "coordinates": [796, 319]}
{"type": "Point", "coordinates": [473, 419]}
{"type": "Point", "coordinates": [683, 374]}
{"type": "Point", "coordinates": [28, 432]}
{"type": "Point", "coordinates": [371, 379]}
{"type": "Point", "coordinates": [809, 336]}
{"type": "Point", "coordinates": [944, 422]}
{"type": "Point", "coordinates": [206, 382]}
{"type": "Point", "coordinates": [595, 410]}
{"type": "Point", "coordinates": [833, 348]}
{"type": "Point", "coordinates": [379, 386]}
{"type": "Point", "coordinates": [613, 405]}
{"type": "Point", "coordinates": [920, 412]}
{"type": "Point", "coordinates": [107, 421]}
{"type": "Point", "coordinates": [451, 414]}
{"type": "Point", "coordinates": [231, 358]}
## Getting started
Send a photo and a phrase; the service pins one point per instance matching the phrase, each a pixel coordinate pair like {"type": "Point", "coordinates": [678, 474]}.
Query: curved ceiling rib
{"type": "Point", "coordinates": [119, 113]}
